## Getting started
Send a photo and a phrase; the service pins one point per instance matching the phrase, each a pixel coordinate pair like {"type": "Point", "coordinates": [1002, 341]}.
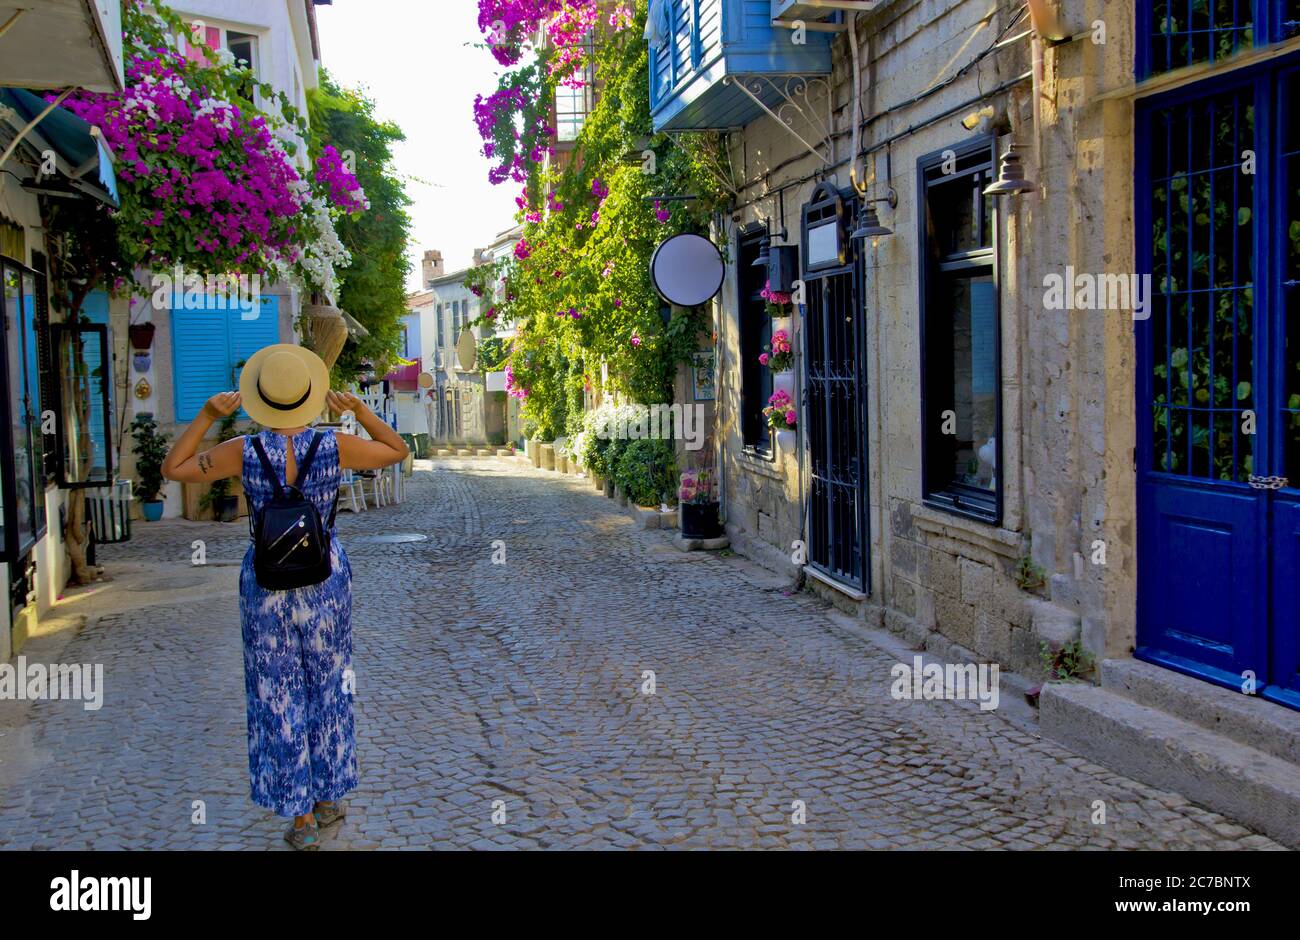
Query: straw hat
{"type": "Point", "coordinates": [284, 386]}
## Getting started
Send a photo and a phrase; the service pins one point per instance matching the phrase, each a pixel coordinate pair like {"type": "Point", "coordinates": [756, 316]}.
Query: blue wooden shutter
{"type": "Point", "coordinates": [200, 359]}
{"type": "Point", "coordinates": [248, 336]}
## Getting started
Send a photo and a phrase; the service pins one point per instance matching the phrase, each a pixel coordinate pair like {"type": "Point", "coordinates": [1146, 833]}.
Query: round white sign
{"type": "Point", "coordinates": [687, 270]}
{"type": "Point", "coordinates": [467, 350]}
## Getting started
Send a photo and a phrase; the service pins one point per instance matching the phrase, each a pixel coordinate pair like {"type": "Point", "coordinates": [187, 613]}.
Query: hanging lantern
{"type": "Point", "coordinates": [1011, 176]}
{"type": "Point", "coordinates": [870, 226]}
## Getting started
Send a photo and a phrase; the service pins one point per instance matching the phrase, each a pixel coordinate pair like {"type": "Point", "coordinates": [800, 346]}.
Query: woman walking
{"type": "Point", "coordinates": [297, 642]}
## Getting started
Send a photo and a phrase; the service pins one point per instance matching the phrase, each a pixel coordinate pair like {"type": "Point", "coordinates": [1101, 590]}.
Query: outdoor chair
{"type": "Point", "coordinates": [350, 488]}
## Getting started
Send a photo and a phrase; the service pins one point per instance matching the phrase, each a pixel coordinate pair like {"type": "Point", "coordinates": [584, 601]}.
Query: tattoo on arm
{"type": "Point", "coordinates": [205, 463]}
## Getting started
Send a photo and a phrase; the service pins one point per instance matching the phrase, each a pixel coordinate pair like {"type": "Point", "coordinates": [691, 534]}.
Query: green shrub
{"type": "Point", "coordinates": [647, 470]}
{"type": "Point", "coordinates": [595, 454]}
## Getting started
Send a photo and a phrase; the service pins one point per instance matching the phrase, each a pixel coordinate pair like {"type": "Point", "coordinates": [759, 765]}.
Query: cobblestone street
{"type": "Point", "coordinates": [522, 683]}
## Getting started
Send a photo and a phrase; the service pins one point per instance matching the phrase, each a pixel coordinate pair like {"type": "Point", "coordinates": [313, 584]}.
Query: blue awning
{"type": "Point", "coordinates": [87, 163]}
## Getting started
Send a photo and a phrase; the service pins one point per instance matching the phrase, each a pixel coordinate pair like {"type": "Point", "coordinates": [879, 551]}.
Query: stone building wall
{"type": "Point", "coordinates": [1066, 376]}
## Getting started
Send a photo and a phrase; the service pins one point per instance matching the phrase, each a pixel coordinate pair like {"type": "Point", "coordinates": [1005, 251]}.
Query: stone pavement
{"type": "Point", "coordinates": [517, 688]}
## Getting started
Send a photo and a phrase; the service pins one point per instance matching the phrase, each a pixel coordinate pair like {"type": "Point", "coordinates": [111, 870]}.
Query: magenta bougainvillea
{"type": "Point", "coordinates": [340, 182]}
{"type": "Point", "coordinates": [210, 183]}
{"type": "Point", "coordinates": [514, 120]}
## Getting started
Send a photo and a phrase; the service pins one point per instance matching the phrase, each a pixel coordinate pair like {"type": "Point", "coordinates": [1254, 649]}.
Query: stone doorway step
{"type": "Point", "coordinates": [1232, 753]}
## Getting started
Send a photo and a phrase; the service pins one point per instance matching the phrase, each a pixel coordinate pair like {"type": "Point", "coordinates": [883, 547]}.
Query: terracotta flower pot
{"type": "Point", "coordinates": [141, 335]}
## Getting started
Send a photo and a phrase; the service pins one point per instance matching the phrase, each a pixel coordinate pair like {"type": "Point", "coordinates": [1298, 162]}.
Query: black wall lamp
{"type": "Point", "coordinates": [765, 246]}
{"type": "Point", "coordinates": [869, 224]}
{"type": "Point", "coordinates": [1011, 176]}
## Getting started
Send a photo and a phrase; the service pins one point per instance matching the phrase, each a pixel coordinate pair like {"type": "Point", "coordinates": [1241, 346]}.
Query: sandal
{"type": "Point", "coordinates": [303, 838]}
{"type": "Point", "coordinates": [329, 812]}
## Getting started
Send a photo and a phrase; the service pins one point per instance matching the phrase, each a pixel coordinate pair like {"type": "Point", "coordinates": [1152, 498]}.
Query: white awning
{"type": "Point", "coordinates": [61, 43]}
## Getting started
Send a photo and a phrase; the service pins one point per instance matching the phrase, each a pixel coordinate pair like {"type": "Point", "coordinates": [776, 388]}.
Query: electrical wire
{"type": "Point", "coordinates": [955, 76]}
{"type": "Point", "coordinates": [997, 43]}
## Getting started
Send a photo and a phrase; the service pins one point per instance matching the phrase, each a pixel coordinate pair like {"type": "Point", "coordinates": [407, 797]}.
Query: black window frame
{"type": "Point", "coordinates": [972, 157]}
{"type": "Point", "coordinates": [754, 333]}
{"type": "Point", "coordinates": [45, 361]}
{"type": "Point", "coordinates": [12, 551]}
{"type": "Point", "coordinates": [100, 331]}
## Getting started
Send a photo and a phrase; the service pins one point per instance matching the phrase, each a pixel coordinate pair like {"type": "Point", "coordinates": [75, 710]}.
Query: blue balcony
{"type": "Point", "coordinates": [705, 50]}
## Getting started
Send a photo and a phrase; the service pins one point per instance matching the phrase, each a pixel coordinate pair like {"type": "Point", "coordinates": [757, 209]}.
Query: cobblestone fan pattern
{"type": "Point", "coordinates": [517, 687]}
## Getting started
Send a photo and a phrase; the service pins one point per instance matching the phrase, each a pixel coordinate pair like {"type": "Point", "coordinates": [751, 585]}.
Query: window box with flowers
{"type": "Point", "coordinates": [778, 355]}
{"type": "Point", "coordinates": [782, 418]}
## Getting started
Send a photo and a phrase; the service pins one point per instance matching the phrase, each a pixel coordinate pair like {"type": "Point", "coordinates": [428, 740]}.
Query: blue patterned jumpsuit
{"type": "Point", "coordinates": [298, 653]}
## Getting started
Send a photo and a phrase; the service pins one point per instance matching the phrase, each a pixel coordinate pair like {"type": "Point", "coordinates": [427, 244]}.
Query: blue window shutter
{"type": "Point", "coordinates": [200, 359]}
{"type": "Point", "coordinates": [248, 336]}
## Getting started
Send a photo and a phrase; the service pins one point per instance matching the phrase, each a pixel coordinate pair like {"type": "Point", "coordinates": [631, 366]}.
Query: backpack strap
{"type": "Point", "coordinates": [266, 466]}
{"type": "Point", "coordinates": [305, 466]}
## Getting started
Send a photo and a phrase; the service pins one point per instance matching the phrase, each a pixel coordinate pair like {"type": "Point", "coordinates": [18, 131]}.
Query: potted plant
{"type": "Point", "coordinates": [779, 353]}
{"type": "Point", "coordinates": [224, 506]}
{"type": "Point", "coordinates": [776, 302]}
{"type": "Point", "coordinates": [218, 498]}
{"type": "Point", "coordinates": [150, 451]}
{"type": "Point", "coordinates": [782, 418]}
{"type": "Point", "coordinates": [700, 516]}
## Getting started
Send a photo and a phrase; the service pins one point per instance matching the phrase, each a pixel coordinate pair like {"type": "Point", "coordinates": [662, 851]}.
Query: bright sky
{"type": "Point", "coordinates": [415, 59]}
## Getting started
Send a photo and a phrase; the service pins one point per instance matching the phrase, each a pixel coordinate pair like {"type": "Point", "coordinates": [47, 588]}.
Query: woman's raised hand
{"type": "Point", "coordinates": [222, 405]}
{"type": "Point", "coordinates": [344, 401]}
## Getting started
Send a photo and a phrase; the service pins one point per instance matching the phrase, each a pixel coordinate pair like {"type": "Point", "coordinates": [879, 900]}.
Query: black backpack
{"type": "Point", "coordinates": [291, 545]}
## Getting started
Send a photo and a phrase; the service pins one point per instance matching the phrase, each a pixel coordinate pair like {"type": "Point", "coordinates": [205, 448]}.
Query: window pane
{"type": "Point", "coordinates": [81, 356]}
{"type": "Point", "coordinates": [961, 216]}
{"type": "Point", "coordinates": [32, 391]}
{"type": "Point", "coordinates": [1187, 32]}
{"type": "Point", "coordinates": [17, 400]}
{"type": "Point", "coordinates": [755, 334]}
{"type": "Point", "coordinates": [570, 111]}
{"type": "Point", "coordinates": [1202, 239]}
{"type": "Point", "coordinates": [1291, 281]}
{"type": "Point", "coordinates": [972, 304]}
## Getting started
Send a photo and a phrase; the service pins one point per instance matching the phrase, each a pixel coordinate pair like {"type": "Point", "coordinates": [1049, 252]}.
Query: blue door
{"type": "Point", "coordinates": [1218, 223]}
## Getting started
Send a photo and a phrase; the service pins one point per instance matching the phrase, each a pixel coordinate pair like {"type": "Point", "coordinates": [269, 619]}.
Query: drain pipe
{"type": "Point", "coordinates": [719, 377]}
{"type": "Point", "coordinates": [856, 54]}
